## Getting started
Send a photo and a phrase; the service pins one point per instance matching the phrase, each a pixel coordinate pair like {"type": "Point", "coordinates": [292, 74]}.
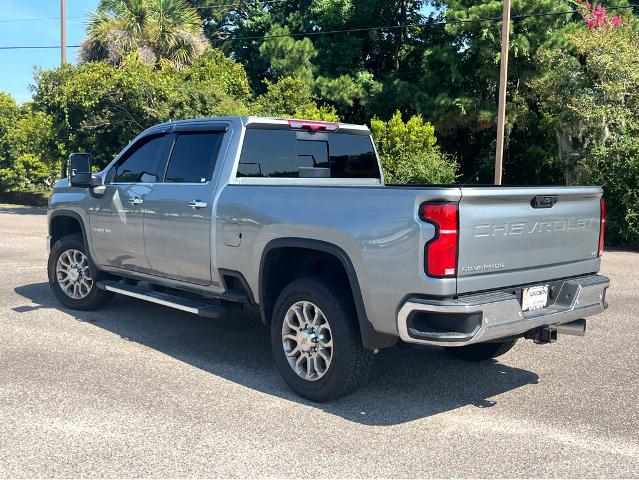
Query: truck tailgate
{"type": "Point", "coordinates": [511, 236]}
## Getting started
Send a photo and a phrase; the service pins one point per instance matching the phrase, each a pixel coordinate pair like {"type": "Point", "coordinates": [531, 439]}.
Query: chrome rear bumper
{"type": "Point", "coordinates": [489, 316]}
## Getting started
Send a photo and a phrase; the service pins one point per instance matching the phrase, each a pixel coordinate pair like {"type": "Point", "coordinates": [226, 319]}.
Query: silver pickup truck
{"type": "Point", "coordinates": [293, 217]}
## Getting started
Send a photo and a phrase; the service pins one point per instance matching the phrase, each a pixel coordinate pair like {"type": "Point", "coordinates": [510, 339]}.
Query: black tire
{"type": "Point", "coordinates": [96, 297]}
{"type": "Point", "coordinates": [351, 363]}
{"type": "Point", "coordinates": [478, 352]}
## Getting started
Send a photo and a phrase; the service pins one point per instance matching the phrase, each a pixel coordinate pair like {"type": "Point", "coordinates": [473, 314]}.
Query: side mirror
{"type": "Point", "coordinates": [79, 170]}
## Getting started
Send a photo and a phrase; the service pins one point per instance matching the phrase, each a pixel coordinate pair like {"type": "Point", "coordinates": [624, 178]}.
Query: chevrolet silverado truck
{"type": "Point", "coordinates": [293, 218]}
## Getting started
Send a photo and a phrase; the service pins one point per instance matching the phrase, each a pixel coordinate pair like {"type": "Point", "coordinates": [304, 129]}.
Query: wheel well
{"type": "Point", "coordinates": [284, 264]}
{"type": "Point", "coordinates": [62, 226]}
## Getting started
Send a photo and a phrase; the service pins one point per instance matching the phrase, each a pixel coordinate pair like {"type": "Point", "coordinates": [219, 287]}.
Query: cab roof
{"type": "Point", "coordinates": [259, 121]}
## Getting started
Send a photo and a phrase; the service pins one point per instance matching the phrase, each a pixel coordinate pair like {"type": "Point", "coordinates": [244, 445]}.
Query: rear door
{"type": "Point", "coordinates": [177, 220]}
{"type": "Point", "coordinates": [515, 236]}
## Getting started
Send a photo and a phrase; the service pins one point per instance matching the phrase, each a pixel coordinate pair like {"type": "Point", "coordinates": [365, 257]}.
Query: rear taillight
{"type": "Point", "coordinates": [602, 227]}
{"type": "Point", "coordinates": [313, 125]}
{"type": "Point", "coordinates": [440, 256]}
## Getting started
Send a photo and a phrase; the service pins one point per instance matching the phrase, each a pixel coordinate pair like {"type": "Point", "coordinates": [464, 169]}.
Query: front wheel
{"type": "Point", "coordinates": [316, 341]}
{"type": "Point", "coordinates": [478, 352]}
{"type": "Point", "coordinates": [71, 276]}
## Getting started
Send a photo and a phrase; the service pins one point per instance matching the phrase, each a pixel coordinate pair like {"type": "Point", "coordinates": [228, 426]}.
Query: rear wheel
{"type": "Point", "coordinates": [316, 340]}
{"type": "Point", "coordinates": [478, 352]}
{"type": "Point", "coordinates": [72, 278]}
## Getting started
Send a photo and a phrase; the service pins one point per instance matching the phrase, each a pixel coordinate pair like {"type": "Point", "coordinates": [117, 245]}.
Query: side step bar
{"type": "Point", "coordinates": [208, 310]}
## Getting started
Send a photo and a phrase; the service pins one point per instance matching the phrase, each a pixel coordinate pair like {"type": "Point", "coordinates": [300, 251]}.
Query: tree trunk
{"type": "Point", "coordinates": [401, 35]}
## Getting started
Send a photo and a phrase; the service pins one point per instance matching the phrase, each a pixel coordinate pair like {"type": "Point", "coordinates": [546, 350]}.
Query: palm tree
{"type": "Point", "coordinates": [158, 32]}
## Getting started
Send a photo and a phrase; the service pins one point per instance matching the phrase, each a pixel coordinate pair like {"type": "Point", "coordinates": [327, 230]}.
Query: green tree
{"type": "Point", "coordinates": [458, 80]}
{"type": "Point", "coordinates": [615, 166]}
{"type": "Point", "coordinates": [157, 32]}
{"type": "Point", "coordinates": [292, 98]}
{"type": "Point", "coordinates": [286, 56]}
{"type": "Point", "coordinates": [349, 68]}
{"type": "Point", "coordinates": [36, 152]}
{"type": "Point", "coordinates": [99, 108]}
{"type": "Point", "coordinates": [214, 85]}
{"type": "Point", "coordinates": [448, 73]}
{"type": "Point", "coordinates": [589, 94]}
{"type": "Point", "coordinates": [409, 153]}
{"type": "Point", "coordinates": [350, 94]}
{"type": "Point", "coordinates": [9, 113]}
{"type": "Point", "coordinates": [29, 157]}
{"type": "Point", "coordinates": [589, 89]}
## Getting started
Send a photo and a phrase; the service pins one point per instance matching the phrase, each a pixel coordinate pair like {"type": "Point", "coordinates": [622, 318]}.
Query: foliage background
{"type": "Point", "coordinates": [422, 74]}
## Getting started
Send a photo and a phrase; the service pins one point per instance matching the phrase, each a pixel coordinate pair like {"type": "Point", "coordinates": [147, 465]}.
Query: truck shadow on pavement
{"type": "Point", "coordinates": [407, 384]}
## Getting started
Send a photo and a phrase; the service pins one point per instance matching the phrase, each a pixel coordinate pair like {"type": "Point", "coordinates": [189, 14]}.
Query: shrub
{"type": "Point", "coordinates": [292, 97]}
{"type": "Point", "coordinates": [29, 159]}
{"type": "Point", "coordinates": [615, 166]}
{"type": "Point", "coordinates": [99, 108]}
{"type": "Point", "coordinates": [409, 153]}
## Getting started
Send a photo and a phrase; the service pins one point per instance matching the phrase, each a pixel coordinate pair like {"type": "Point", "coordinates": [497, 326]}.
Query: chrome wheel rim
{"type": "Point", "coordinates": [73, 275]}
{"type": "Point", "coordinates": [307, 340]}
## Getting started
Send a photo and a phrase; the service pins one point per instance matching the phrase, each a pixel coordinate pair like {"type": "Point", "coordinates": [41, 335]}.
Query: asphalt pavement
{"type": "Point", "coordinates": [140, 390]}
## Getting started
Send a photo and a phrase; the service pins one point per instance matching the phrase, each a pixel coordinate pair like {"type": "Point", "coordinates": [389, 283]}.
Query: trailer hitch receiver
{"type": "Point", "coordinates": [541, 335]}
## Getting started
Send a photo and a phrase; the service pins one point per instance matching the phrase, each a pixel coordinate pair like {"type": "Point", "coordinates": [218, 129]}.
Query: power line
{"type": "Point", "coordinates": [35, 47]}
{"type": "Point", "coordinates": [363, 29]}
{"type": "Point", "coordinates": [57, 19]}
{"type": "Point", "coordinates": [415, 25]}
{"type": "Point", "coordinates": [43, 19]}
{"type": "Point", "coordinates": [231, 5]}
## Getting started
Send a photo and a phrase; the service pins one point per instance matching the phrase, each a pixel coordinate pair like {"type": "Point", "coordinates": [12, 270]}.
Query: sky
{"type": "Point", "coordinates": [36, 22]}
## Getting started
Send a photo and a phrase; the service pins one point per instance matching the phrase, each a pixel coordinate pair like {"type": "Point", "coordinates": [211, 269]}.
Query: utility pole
{"type": "Point", "coordinates": [503, 83]}
{"type": "Point", "coordinates": [63, 54]}
{"type": "Point", "coordinates": [63, 32]}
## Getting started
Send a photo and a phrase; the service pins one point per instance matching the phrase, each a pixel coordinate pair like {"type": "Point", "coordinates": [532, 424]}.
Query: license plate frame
{"type": "Point", "coordinates": [534, 298]}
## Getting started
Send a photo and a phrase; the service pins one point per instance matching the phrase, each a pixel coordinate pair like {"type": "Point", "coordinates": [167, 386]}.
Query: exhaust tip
{"type": "Point", "coordinates": [576, 327]}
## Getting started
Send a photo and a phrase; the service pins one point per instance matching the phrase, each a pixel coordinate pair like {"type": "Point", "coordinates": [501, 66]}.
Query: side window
{"type": "Point", "coordinates": [280, 154]}
{"type": "Point", "coordinates": [193, 157]}
{"type": "Point", "coordinates": [142, 162]}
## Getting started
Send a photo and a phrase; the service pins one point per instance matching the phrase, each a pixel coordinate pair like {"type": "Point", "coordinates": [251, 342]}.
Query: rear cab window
{"type": "Point", "coordinates": [277, 153]}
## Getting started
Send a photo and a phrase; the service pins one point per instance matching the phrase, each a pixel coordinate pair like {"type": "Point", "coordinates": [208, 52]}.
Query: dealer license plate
{"type": "Point", "coordinates": [534, 298]}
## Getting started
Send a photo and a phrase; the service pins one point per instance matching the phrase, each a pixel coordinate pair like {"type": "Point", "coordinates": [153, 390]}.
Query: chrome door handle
{"type": "Point", "coordinates": [198, 204]}
{"type": "Point", "coordinates": [135, 200]}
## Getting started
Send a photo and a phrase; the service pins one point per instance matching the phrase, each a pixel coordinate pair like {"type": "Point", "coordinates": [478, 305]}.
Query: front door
{"type": "Point", "coordinates": [117, 216]}
{"type": "Point", "coordinates": [177, 221]}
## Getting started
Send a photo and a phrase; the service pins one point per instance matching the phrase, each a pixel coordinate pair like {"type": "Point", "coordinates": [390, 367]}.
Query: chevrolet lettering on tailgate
{"type": "Point", "coordinates": [523, 228]}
